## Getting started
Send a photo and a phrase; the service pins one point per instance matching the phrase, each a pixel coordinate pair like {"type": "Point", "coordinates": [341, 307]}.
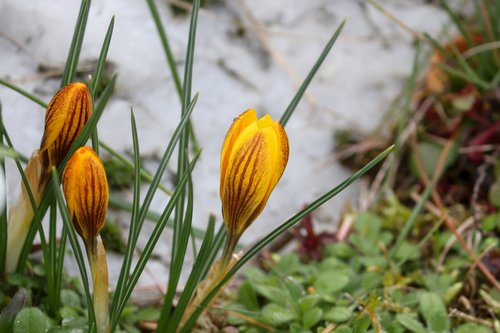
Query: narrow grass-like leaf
{"type": "Point", "coordinates": [171, 63]}
{"type": "Point", "coordinates": [76, 43]}
{"type": "Point", "coordinates": [3, 214]}
{"type": "Point", "coordinates": [413, 217]}
{"type": "Point", "coordinates": [438, 47]}
{"type": "Point", "coordinates": [94, 137]}
{"type": "Point", "coordinates": [127, 260]}
{"type": "Point", "coordinates": [403, 119]}
{"type": "Point", "coordinates": [182, 162]}
{"type": "Point", "coordinates": [188, 66]}
{"type": "Point", "coordinates": [496, 80]}
{"type": "Point", "coordinates": [494, 13]}
{"type": "Point", "coordinates": [194, 277]}
{"type": "Point", "coordinates": [220, 237]}
{"type": "Point", "coordinates": [99, 70]}
{"type": "Point", "coordinates": [194, 247]}
{"type": "Point", "coordinates": [298, 96]}
{"type": "Point", "coordinates": [77, 251]}
{"type": "Point", "coordinates": [117, 202]}
{"type": "Point", "coordinates": [150, 245]}
{"type": "Point", "coordinates": [163, 164]}
{"type": "Point", "coordinates": [283, 228]}
{"type": "Point", "coordinates": [422, 242]}
{"type": "Point", "coordinates": [464, 76]}
{"type": "Point", "coordinates": [166, 46]}
{"type": "Point", "coordinates": [23, 92]}
{"type": "Point", "coordinates": [60, 259]}
{"type": "Point", "coordinates": [464, 64]}
{"type": "Point", "coordinates": [457, 21]}
{"type": "Point", "coordinates": [178, 262]}
{"type": "Point", "coordinates": [145, 174]}
{"type": "Point", "coordinates": [409, 91]}
{"type": "Point", "coordinates": [483, 18]}
{"type": "Point", "coordinates": [452, 56]}
{"type": "Point", "coordinates": [50, 264]}
{"type": "Point", "coordinates": [96, 80]}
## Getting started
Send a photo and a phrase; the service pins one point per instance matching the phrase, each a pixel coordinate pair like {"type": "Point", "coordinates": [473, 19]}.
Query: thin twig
{"type": "Point", "coordinates": [481, 175]}
{"type": "Point", "coordinates": [478, 149]}
{"type": "Point", "coordinates": [467, 317]}
{"type": "Point", "coordinates": [400, 23]}
{"type": "Point", "coordinates": [246, 318]}
{"type": "Point", "coordinates": [464, 226]}
{"type": "Point", "coordinates": [329, 328]}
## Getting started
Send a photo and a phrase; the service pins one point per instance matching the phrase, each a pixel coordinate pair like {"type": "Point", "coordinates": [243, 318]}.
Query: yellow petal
{"type": "Point", "coordinates": [66, 115]}
{"type": "Point", "coordinates": [240, 123]}
{"type": "Point", "coordinates": [252, 162]}
{"type": "Point", "coordinates": [86, 190]}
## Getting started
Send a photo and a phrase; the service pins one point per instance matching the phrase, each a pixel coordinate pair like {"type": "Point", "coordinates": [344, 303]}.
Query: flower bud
{"type": "Point", "coordinates": [254, 156]}
{"type": "Point", "coordinates": [86, 190]}
{"type": "Point", "coordinates": [66, 115]}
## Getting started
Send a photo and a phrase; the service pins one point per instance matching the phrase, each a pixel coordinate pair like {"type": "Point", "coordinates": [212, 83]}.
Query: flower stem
{"type": "Point", "coordinates": [99, 268]}
{"type": "Point", "coordinates": [227, 252]}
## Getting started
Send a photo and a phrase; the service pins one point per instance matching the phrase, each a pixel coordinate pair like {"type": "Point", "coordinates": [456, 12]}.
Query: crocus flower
{"type": "Point", "coordinates": [254, 156]}
{"type": "Point", "coordinates": [66, 115]}
{"type": "Point", "coordinates": [86, 190]}
{"type": "Point", "coordinates": [85, 187]}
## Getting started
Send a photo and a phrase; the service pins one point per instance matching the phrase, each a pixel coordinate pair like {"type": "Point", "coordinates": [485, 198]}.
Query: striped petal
{"type": "Point", "coordinates": [66, 115]}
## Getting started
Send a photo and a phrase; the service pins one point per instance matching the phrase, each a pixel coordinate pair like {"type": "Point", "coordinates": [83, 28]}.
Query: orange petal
{"type": "Point", "coordinates": [66, 115]}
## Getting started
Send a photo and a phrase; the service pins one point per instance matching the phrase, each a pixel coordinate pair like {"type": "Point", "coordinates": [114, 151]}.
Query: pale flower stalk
{"type": "Point", "coordinates": [100, 281]}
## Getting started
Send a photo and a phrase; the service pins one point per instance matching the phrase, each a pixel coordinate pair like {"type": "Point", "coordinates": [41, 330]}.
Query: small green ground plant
{"type": "Point", "coordinates": [360, 285]}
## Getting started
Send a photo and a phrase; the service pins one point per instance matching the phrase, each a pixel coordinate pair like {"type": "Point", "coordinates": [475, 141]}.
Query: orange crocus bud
{"type": "Point", "coordinates": [86, 190]}
{"type": "Point", "coordinates": [254, 156]}
{"type": "Point", "coordinates": [66, 115]}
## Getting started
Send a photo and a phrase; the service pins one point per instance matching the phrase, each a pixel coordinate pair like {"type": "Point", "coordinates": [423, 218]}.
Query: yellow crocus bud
{"type": "Point", "coordinates": [254, 156]}
{"type": "Point", "coordinates": [86, 190]}
{"type": "Point", "coordinates": [66, 115]}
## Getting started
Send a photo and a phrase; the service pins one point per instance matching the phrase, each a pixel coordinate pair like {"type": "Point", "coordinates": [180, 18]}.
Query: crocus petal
{"type": "Point", "coordinates": [246, 118]}
{"type": "Point", "coordinates": [66, 115]}
{"type": "Point", "coordinates": [86, 190]}
{"type": "Point", "coordinates": [253, 159]}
